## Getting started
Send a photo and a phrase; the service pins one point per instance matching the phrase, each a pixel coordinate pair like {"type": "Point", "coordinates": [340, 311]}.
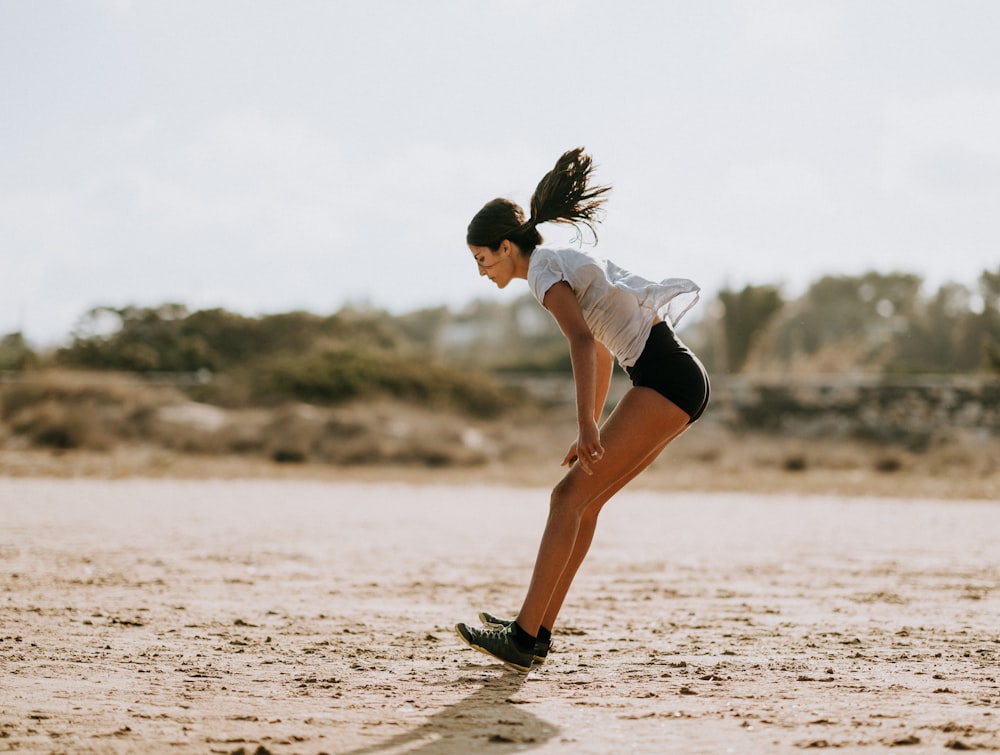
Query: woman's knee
{"type": "Point", "coordinates": [563, 500]}
{"type": "Point", "coordinates": [567, 499]}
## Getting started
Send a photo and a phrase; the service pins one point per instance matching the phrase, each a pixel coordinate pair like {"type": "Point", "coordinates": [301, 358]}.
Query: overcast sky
{"type": "Point", "coordinates": [293, 154]}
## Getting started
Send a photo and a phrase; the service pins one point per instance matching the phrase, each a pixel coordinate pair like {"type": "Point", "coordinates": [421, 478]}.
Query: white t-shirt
{"type": "Point", "coordinates": [619, 307]}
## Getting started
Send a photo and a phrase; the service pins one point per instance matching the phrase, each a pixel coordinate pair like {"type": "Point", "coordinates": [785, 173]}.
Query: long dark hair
{"type": "Point", "coordinates": [562, 196]}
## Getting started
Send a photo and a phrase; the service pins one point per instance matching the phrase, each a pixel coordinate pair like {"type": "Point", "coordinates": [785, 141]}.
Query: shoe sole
{"type": "Point", "coordinates": [484, 651]}
{"type": "Point", "coordinates": [539, 659]}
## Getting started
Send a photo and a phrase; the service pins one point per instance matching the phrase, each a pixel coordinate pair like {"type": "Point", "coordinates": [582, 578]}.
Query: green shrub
{"type": "Point", "coordinates": [15, 353]}
{"type": "Point", "coordinates": [338, 375]}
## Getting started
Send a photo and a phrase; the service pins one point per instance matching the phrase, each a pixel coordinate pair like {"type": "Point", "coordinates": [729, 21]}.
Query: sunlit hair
{"type": "Point", "coordinates": [562, 196]}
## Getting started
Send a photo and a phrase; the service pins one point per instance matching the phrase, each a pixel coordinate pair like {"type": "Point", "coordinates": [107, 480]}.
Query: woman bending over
{"type": "Point", "coordinates": [605, 312]}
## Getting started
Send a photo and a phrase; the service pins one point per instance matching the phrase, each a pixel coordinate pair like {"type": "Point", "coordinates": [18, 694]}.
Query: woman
{"type": "Point", "coordinates": [604, 312]}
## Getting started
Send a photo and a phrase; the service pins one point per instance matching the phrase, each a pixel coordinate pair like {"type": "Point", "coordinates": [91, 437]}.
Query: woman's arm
{"type": "Point", "coordinates": [587, 375]}
{"type": "Point", "coordinates": [605, 366]}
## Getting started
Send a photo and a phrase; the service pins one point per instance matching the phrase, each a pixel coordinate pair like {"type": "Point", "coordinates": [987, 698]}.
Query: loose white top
{"type": "Point", "coordinates": [619, 307]}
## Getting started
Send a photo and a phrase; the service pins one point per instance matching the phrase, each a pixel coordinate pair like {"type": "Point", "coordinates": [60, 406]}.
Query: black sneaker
{"type": "Point", "coordinates": [541, 646]}
{"type": "Point", "coordinates": [497, 641]}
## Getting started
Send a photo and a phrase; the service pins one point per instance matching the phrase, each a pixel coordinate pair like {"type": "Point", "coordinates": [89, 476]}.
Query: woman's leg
{"type": "Point", "coordinates": [638, 429]}
{"type": "Point", "coordinates": [585, 534]}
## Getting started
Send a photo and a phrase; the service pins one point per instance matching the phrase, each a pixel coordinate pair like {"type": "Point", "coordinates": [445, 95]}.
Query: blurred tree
{"type": "Point", "coordinates": [745, 314]}
{"type": "Point", "coordinates": [989, 289]}
{"type": "Point", "coordinates": [142, 339]}
{"type": "Point", "coordinates": [859, 317]}
{"type": "Point", "coordinates": [943, 335]}
{"type": "Point", "coordinates": [15, 353]}
{"type": "Point", "coordinates": [170, 339]}
{"type": "Point", "coordinates": [872, 306]}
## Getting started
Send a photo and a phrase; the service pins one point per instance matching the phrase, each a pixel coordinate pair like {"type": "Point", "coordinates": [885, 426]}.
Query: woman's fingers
{"type": "Point", "coordinates": [570, 457]}
{"type": "Point", "coordinates": [585, 459]}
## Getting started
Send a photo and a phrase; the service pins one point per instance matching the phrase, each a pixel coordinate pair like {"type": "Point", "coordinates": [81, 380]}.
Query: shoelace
{"type": "Point", "coordinates": [493, 631]}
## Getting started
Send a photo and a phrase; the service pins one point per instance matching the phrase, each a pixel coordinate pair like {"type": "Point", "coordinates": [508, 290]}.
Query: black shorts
{"type": "Point", "coordinates": [671, 369]}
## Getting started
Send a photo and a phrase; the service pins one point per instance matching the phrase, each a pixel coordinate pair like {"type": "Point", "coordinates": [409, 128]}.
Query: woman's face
{"type": "Point", "coordinates": [498, 266]}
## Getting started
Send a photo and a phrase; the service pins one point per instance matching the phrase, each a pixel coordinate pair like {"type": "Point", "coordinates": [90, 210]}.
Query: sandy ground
{"type": "Point", "coordinates": [266, 616]}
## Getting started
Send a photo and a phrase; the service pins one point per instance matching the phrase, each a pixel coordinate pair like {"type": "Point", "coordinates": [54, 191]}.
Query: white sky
{"type": "Point", "coordinates": [293, 154]}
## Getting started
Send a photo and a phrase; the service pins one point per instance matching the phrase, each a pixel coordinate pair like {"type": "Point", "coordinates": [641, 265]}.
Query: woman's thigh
{"type": "Point", "coordinates": [640, 427]}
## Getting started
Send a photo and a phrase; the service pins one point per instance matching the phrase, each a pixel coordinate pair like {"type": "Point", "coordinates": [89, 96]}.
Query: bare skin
{"type": "Point", "coordinates": [601, 460]}
{"type": "Point", "coordinates": [640, 427]}
{"type": "Point", "coordinates": [585, 534]}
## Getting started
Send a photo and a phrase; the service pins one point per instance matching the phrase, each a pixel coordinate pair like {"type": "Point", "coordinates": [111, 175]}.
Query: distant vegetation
{"type": "Point", "coordinates": [429, 387]}
{"type": "Point", "coordinates": [871, 323]}
{"type": "Point", "coordinates": [238, 361]}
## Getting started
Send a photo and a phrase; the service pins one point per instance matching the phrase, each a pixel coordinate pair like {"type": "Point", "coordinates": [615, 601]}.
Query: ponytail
{"type": "Point", "coordinates": [562, 196]}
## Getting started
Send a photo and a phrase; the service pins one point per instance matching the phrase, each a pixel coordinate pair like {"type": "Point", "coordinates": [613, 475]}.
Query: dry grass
{"type": "Point", "coordinates": [95, 412]}
{"type": "Point", "coordinates": [78, 424]}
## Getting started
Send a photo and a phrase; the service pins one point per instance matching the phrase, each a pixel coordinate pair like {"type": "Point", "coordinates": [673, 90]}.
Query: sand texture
{"type": "Point", "coordinates": [305, 617]}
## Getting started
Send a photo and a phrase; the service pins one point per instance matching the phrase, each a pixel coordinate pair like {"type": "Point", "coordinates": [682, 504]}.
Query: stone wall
{"type": "Point", "coordinates": [905, 410]}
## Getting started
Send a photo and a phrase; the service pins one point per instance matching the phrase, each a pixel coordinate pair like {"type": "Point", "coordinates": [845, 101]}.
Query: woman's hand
{"type": "Point", "coordinates": [587, 450]}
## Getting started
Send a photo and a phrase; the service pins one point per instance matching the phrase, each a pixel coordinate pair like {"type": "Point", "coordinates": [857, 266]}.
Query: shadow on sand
{"type": "Point", "coordinates": [489, 716]}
